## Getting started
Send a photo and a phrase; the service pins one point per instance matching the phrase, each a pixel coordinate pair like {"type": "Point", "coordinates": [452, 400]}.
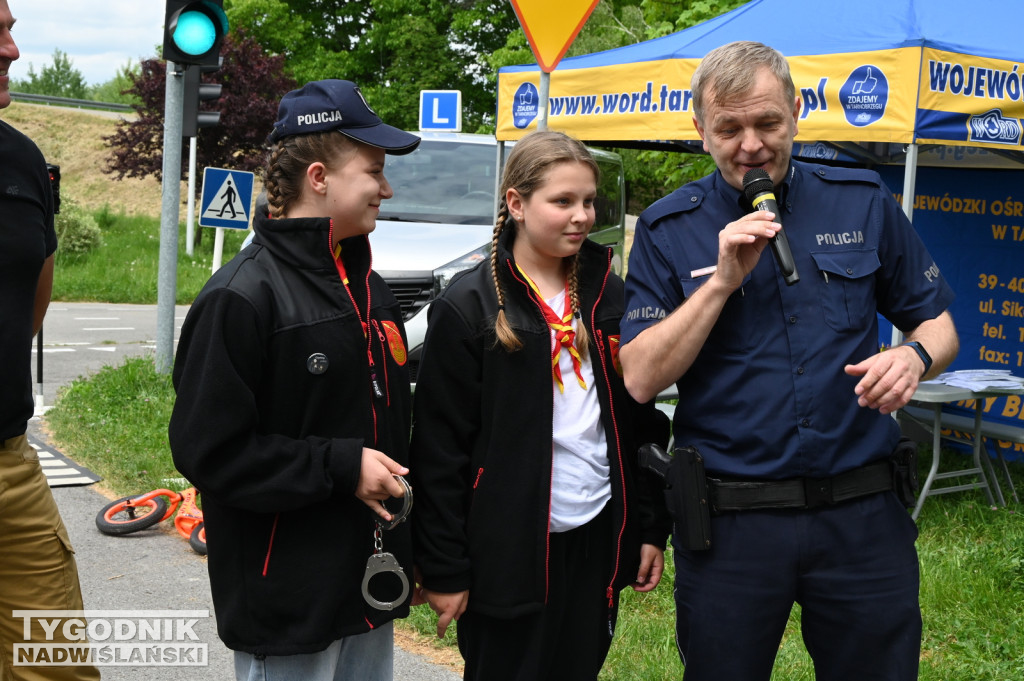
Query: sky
{"type": "Point", "coordinates": [98, 36]}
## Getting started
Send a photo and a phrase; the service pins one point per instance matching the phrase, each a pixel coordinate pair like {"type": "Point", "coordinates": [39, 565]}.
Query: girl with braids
{"type": "Point", "coordinates": [293, 406]}
{"type": "Point", "coordinates": [531, 513]}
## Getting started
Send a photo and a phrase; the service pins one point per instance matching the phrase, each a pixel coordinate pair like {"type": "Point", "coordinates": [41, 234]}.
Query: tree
{"type": "Point", "coordinates": [117, 90]}
{"type": "Point", "coordinates": [395, 48]}
{"type": "Point", "coordinates": [667, 17]}
{"type": "Point", "coordinates": [281, 30]}
{"type": "Point", "coordinates": [253, 86]}
{"type": "Point", "coordinates": [611, 25]}
{"type": "Point", "coordinates": [675, 168]}
{"type": "Point", "coordinates": [391, 48]}
{"type": "Point", "coordinates": [59, 79]}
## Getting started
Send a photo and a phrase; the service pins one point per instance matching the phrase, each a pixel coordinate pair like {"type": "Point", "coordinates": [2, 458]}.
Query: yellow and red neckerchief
{"type": "Point", "coordinates": [565, 337]}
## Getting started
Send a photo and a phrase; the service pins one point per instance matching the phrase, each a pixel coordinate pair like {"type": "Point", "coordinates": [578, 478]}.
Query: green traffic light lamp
{"type": "Point", "coordinates": [194, 31]}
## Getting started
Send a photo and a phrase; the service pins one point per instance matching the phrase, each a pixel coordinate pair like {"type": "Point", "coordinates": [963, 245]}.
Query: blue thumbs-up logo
{"type": "Point", "coordinates": [864, 95]}
{"type": "Point", "coordinates": [525, 105]}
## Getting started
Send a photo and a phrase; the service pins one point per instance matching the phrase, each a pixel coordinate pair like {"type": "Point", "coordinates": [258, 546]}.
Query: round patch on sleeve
{"type": "Point", "coordinates": [395, 343]}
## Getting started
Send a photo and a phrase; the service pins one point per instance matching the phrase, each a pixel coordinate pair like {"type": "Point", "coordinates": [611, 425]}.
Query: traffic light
{"type": "Point", "coordinates": [196, 92]}
{"type": "Point", "coordinates": [194, 31]}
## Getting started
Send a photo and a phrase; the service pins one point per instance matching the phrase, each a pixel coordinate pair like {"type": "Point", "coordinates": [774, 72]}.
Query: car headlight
{"type": "Point", "coordinates": [444, 274]}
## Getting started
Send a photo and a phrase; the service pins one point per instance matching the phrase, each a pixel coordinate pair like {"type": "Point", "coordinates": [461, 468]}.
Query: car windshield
{"type": "Point", "coordinates": [442, 182]}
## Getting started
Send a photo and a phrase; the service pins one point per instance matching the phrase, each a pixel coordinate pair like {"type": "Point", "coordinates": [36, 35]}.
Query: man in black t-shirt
{"type": "Point", "coordinates": [37, 564]}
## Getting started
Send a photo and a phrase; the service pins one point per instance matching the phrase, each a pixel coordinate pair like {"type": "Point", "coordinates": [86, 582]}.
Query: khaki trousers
{"type": "Point", "coordinates": [37, 563]}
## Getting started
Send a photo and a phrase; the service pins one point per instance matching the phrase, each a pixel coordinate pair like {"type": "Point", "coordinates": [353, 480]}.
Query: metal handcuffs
{"type": "Point", "coordinates": [381, 561]}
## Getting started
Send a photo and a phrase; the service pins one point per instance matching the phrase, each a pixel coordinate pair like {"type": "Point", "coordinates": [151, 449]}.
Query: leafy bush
{"type": "Point", "coordinates": [77, 231]}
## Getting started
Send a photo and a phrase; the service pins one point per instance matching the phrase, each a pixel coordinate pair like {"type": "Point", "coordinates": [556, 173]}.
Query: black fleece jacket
{"type": "Point", "coordinates": [482, 453]}
{"type": "Point", "coordinates": [275, 402]}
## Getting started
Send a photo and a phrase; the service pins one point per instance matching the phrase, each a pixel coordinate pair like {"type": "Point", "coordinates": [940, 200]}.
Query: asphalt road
{"type": "Point", "coordinates": [154, 569]}
{"type": "Point", "coordinates": [81, 338]}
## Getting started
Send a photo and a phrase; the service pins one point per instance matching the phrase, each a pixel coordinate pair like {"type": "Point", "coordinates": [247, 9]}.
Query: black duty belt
{"type": "Point", "coordinates": [732, 495]}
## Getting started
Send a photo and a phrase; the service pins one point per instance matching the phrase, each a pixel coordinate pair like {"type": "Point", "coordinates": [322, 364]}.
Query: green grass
{"type": "Point", "coordinates": [124, 268]}
{"type": "Point", "coordinates": [972, 555]}
{"type": "Point", "coordinates": [115, 423]}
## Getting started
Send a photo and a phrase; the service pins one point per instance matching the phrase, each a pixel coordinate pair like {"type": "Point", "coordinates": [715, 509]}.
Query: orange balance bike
{"type": "Point", "coordinates": [131, 514]}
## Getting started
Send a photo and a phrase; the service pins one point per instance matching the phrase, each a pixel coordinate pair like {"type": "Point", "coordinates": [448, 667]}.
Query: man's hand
{"type": "Point", "coordinates": [377, 481]}
{"type": "Point", "coordinates": [889, 378]}
{"type": "Point", "coordinates": [740, 245]}
{"type": "Point", "coordinates": [652, 565]}
{"type": "Point", "coordinates": [447, 606]}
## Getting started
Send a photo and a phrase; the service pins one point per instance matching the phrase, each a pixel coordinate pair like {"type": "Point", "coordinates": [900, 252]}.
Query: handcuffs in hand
{"type": "Point", "coordinates": [381, 561]}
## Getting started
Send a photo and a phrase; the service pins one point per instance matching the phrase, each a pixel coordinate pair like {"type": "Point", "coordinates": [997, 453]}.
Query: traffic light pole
{"type": "Point", "coordinates": [193, 33]}
{"type": "Point", "coordinates": [190, 217]}
{"type": "Point", "coordinates": [167, 273]}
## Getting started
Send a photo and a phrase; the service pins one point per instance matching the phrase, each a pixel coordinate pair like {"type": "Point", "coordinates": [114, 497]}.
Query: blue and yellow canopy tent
{"type": "Point", "coordinates": [884, 83]}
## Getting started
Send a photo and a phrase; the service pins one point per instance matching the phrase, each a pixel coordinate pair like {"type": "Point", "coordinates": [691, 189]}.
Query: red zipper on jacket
{"type": "Point", "coordinates": [547, 531]}
{"type": "Point", "coordinates": [383, 350]}
{"type": "Point", "coordinates": [270, 544]}
{"type": "Point", "coordinates": [342, 274]}
{"type": "Point", "coordinates": [610, 591]}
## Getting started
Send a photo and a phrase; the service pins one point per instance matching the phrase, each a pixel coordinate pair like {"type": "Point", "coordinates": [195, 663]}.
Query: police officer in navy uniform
{"type": "Point", "coordinates": [782, 388]}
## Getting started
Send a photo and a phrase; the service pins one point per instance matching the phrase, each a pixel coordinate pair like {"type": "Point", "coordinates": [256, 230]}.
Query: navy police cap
{"type": "Point", "coordinates": [325, 105]}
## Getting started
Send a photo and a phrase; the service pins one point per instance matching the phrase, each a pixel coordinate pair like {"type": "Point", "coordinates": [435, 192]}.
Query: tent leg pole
{"type": "Point", "coordinates": [910, 181]}
{"type": "Point", "coordinates": [909, 190]}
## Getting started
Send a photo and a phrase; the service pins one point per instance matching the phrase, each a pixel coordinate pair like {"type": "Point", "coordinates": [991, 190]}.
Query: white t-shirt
{"type": "Point", "coordinates": [580, 476]}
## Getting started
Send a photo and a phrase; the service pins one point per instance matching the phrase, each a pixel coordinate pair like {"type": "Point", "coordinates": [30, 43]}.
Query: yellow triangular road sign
{"type": "Point", "coordinates": [552, 26]}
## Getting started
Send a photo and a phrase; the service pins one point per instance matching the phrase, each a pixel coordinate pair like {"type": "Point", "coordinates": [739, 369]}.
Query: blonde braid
{"type": "Point", "coordinates": [502, 329]}
{"type": "Point", "coordinates": [275, 202]}
{"type": "Point", "coordinates": [582, 337]}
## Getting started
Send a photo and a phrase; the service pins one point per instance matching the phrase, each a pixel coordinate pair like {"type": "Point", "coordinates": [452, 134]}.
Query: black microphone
{"type": "Point", "coordinates": [759, 190]}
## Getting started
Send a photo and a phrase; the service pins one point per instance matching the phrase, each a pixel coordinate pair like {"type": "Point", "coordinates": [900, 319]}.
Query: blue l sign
{"type": "Point", "coordinates": [441, 110]}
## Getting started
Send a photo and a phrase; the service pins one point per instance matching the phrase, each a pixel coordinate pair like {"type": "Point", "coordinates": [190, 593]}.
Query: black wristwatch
{"type": "Point", "coordinates": [922, 353]}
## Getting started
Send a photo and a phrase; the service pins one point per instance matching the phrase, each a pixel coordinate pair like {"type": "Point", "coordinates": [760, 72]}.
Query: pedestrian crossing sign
{"type": "Point", "coordinates": [226, 198]}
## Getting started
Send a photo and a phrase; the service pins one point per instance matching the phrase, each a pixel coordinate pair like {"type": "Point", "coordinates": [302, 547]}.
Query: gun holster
{"type": "Point", "coordinates": [904, 471]}
{"type": "Point", "coordinates": [686, 493]}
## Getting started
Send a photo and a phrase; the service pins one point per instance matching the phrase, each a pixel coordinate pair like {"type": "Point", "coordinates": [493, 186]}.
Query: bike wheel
{"type": "Point", "coordinates": [197, 540]}
{"type": "Point", "coordinates": [118, 518]}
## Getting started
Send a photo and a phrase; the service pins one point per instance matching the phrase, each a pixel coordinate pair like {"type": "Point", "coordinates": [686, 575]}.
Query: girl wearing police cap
{"type": "Point", "coordinates": [293, 403]}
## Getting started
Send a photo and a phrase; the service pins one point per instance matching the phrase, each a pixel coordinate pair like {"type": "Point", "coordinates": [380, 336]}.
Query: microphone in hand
{"type": "Point", "coordinates": [760, 192]}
